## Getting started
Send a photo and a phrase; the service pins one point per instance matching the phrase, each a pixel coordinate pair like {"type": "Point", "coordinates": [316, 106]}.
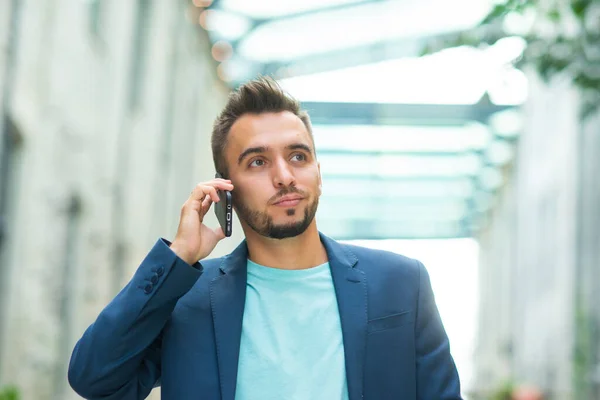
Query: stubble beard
{"type": "Point", "coordinates": [262, 223]}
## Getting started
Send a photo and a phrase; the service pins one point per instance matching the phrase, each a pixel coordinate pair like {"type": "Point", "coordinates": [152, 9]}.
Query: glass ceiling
{"type": "Point", "coordinates": [277, 8]}
{"type": "Point", "coordinates": [423, 154]}
{"type": "Point", "coordinates": [440, 139]}
{"type": "Point", "coordinates": [300, 27]}
{"type": "Point", "coordinates": [360, 24]}
{"type": "Point", "coordinates": [454, 76]}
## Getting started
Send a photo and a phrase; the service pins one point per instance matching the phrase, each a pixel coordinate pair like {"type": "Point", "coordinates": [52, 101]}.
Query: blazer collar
{"type": "Point", "coordinates": [338, 255]}
{"type": "Point", "coordinates": [351, 291]}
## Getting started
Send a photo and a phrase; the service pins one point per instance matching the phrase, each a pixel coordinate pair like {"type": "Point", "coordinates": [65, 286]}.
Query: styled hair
{"type": "Point", "coordinates": [261, 95]}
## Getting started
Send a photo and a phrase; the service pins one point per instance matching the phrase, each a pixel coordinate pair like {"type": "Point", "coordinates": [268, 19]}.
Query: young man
{"type": "Point", "coordinates": [290, 314]}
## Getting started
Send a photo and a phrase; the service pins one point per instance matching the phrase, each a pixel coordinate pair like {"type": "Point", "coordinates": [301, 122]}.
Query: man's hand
{"type": "Point", "coordinates": [194, 240]}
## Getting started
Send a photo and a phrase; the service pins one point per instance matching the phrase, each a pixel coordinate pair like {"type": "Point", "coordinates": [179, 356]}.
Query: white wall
{"type": "Point", "coordinates": [131, 167]}
{"type": "Point", "coordinates": [529, 251]}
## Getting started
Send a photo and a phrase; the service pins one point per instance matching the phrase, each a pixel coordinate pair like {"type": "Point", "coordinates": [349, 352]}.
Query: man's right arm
{"type": "Point", "coordinates": [118, 356]}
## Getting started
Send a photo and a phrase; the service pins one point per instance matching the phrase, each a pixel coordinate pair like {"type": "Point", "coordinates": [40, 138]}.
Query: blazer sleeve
{"type": "Point", "coordinates": [437, 376]}
{"type": "Point", "coordinates": [118, 356]}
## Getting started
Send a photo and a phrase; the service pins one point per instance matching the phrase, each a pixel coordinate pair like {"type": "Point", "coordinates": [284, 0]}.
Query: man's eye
{"type": "Point", "coordinates": [299, 157]}
{"type": "Point", "coordinates": [257, 163]}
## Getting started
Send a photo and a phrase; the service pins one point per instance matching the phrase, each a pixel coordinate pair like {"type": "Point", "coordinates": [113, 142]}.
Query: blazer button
{"type": "Point", "coordinates": [154, 279]}
{"type": "Point", "coordinates": [148, 288]}
{"type": "Point", "coordinates": [160, 271]}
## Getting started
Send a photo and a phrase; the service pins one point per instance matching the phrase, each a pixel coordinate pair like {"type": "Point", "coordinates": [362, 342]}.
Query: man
{"type": "Point", "coordinates": [290, 314]}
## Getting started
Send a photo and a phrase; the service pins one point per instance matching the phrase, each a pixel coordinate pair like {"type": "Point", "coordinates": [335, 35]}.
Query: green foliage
{"type": "Point", "coordinates": [504, 392]}
{"type": "Point", "coordinates": [501, 10]}
{"type": "Point", "coordinates": [579, 7]}
{"type": "Point", "coordinates": [9, 393]}
{"type": "Point", "coordinates": [582, 354]}
{"type": "Point", "coordinates": [568, 44]}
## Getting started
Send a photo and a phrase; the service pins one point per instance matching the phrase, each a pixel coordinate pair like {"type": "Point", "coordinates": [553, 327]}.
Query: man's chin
{"type": "Point", "coordinates": [285, 231]}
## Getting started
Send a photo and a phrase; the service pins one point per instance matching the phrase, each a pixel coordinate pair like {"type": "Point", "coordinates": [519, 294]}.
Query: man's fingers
{"type": "Point", "coordinates": [210, 188]}
{"type": "Point", "coordinates": [209, 191]}
{"type": "Point", "coordinates": [206, 204]}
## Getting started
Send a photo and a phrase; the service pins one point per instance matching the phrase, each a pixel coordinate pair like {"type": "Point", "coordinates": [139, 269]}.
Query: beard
{"type": "Point", "coordinates": [262, 223]}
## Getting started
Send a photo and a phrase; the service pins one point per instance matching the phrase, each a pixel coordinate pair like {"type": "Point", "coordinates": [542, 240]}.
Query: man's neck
{"type": "Point", "coordinates": [299, 252]}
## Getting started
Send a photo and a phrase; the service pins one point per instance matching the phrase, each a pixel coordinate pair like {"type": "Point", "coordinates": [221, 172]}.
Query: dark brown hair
{"type": "Point", "coordinates": [261, 95]}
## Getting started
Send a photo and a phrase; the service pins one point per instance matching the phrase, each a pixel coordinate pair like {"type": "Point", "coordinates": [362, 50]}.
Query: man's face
{"type": "Point", "coordinates": [276, 176]}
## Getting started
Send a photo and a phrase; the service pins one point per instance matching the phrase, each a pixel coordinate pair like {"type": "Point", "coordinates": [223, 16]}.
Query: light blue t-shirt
{"type": "Point", "coordinates": [291, 346]}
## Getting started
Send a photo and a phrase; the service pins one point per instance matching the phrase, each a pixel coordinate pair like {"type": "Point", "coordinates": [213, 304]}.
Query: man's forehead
{"type": "Point", "coordinates": [267, 128]}
{"type": "Point", "coordinates": [268, 121]}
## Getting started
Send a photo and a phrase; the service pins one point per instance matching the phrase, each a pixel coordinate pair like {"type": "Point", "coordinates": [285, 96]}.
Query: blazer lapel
{"type": "Point", "coordinates": [351, 291]}
{"type": "Point", "coordinates": [228, 297]}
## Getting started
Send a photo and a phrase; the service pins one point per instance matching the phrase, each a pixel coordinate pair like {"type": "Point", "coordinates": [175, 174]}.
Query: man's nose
{"type": "Point", "coordinates": [283, 175]}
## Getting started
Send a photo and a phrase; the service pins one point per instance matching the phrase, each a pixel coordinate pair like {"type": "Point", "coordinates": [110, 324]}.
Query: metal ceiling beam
{"type": "Point", "coordinates": [384, 50]}
{"type": "Point", "coordinates": [347, 57]}
{"type": "Point", "coordinates": [467, 188]}
{"type": "Point", "coordinates": [399, 153]}
{"type": "Point", "coordinates": [389, 49]}
{"type": "Point", "coordinates": [354, 187]}
{"type": "Point", "coordinates": [406, 153]}
{"type": "Point", "coordinates": [425, 202]}
{"type": "Point", "coordinates": [388, 179]}
{"type": "Point", "coordinates": [317, 11]}
{"type": "Point", "coordinates": [324, 113]}
{"type": "Point", "coordinates": [256, 23]}
{"type": "Point", "coordinates": [349, 229]}
{"type": "Point", "coordinates": [396, 209]}
{"type": "Point", "coordinates": [406, 179]}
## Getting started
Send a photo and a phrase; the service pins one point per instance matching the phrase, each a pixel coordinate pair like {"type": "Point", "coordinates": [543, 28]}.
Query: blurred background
{"type": "Point", "coordinates": [463, 133]}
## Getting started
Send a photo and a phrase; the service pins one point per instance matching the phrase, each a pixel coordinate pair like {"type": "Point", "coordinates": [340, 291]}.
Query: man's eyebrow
{"type": "Point", "coordinates": [299, 146]}
{"type": "Point", "coordinates": [252, 150]}
{"type": "Point", "coordinates": [264, 149]}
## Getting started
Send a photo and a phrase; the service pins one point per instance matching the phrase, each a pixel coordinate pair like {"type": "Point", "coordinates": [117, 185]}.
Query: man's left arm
{"type": "Point", "coordinates": [437, 377]}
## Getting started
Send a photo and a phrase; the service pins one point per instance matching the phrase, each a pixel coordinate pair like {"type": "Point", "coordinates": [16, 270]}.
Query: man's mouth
{"type": "Point", "coordinates": [289, 200]}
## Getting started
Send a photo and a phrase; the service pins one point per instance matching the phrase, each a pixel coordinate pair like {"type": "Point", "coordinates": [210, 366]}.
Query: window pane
{"type": "Point", "coordinates": [408, 188]}
{"type": "Point", "coordinates": [353, 229]}
{"type": "Point", "coordinates": [455, 76]}
{"type": "Point", "coordinates": [401, 138]}
{"type": "Point", "coordinates": [277, 8]}
{"type": "Point", "coordinates": [394, 165]}
{"type": "Point", "coordinates": [359, 25]}
{"type": "Point", "coordinates": [382, 208]}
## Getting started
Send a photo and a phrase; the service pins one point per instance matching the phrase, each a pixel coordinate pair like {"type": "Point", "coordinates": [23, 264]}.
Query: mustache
{"type": "Point", "coordinates": [284, 192]}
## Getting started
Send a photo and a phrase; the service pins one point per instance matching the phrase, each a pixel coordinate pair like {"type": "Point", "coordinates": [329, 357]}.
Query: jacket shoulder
{"type": "Point", "coordinates": [393, 281]}
{"type": "Point", "coordinates": [211, 265]}
{"type": "Point", "coordinates": [387, 263]}
{"type": "Point", "coordinates": [382, 256]}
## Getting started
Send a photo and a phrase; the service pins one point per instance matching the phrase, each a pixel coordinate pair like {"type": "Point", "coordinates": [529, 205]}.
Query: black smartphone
{"type": "Point", "coordinates": [223, 209]}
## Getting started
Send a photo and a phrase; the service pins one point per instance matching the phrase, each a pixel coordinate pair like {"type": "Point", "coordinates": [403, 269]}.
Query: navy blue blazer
{"type": "Point", "coordinates": [180, 327]}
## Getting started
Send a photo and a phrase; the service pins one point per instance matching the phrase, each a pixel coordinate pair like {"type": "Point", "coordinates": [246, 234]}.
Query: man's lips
{"type": "Point", "coordinates": [288, 201]}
